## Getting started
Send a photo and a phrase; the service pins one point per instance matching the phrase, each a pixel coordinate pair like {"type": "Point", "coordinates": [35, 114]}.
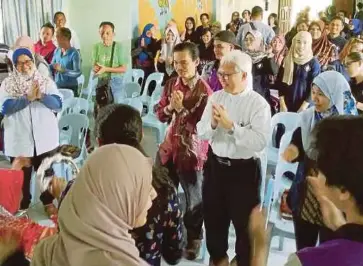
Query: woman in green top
{"type": "Point", "coordinates": [101, 58]}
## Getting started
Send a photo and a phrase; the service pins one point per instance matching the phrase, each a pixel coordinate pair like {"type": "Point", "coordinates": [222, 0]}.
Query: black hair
{"type": "Point", "coordinates": [338, 18]}
{"type": "Point", "coordinates": [122, 124]}
{"type": "Point", "coordinates": [360, 5]}
{"type": "Point", "coordinates": [192, 20]}
{"type": "Point", "coordinates": [257, 11]}
{"type": "Point", "coordinates": [340, 159]}
{"type": "Point", "coordinates": [57, 14]}
{"type": "Point", "coordinates": [235, 12]}
{"type": "Point", "coordinates": [65, 32]}
{"type": "Point", "coordinates": [248, 12]}
{"type": "Point", "coordinates": [344, 12]}
{"type": "Point", "coordinates": [204, 14]}
{"type": "Point", "coordinates": [276, 20]}
{"type": "Point", "coordinates": [192, 49]}
{"type": "Point", "coordinates": [205, 31]}
{"type": "Point", "coordinates": [48, 25]}
{"type": "Point", "coordinates": [355, 56]}
{"type": "Point", "coordinates": [107, 23]}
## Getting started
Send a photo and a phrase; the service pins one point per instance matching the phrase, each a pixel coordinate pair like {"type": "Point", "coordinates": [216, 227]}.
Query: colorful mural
{"type": "Point", "coordinates": [160, 12]}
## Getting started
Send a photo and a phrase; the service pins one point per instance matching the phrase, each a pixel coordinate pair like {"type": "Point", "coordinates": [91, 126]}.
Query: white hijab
{"type": "Point", "coordinates": [167, 48]}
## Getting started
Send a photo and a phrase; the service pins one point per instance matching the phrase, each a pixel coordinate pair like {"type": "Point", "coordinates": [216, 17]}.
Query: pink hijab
{"type": "Point", "coordinates": [109, 194]}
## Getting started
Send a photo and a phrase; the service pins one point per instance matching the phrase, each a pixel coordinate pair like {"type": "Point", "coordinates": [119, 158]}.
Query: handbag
{"type": "Point", "coordinates": [104, 94]}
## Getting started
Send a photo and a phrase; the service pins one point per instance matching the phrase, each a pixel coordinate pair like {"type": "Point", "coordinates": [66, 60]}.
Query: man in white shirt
{"type": "Point", "coordinates": [237, 123]}
{"type": "Point", "coordinates": [60, 22]}
{"type": "Point", "coordinates": [256, 24]}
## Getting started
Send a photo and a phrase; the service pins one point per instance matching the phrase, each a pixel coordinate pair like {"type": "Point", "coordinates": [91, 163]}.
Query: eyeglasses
{"type": "Point", "coordinates": [225, 75]}
{"type": "Point", "coordinates": [25, 63]}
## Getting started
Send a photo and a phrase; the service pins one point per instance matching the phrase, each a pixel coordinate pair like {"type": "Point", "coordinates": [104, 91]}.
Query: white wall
{"type": "Point", "coordinates": [225, 8]}
{"type": "Point", "coordinates": [84, 16]}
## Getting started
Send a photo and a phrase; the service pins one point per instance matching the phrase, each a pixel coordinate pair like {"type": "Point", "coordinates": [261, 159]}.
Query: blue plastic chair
{"type": "Point", "coordinates": [158, 78]}
{"type": "Point", "coordinates": [151, 120]}
{"type": "Point", "coordinates": [134, 102]}
{"type": "Point", "coordinates": [138, 76]}
{"type": "Point", "coordinates": [67, 94]}
{"type": "Point", "coordinates": [73, 129]}
{"type": "Point", "coordinates": [132, 90]}
{"type": "Point", "coordinates": [290, 122]}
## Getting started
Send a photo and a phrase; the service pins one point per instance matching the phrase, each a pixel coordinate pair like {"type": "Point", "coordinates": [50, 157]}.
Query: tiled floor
{"type": "Point", "coordinates": [276, 257]}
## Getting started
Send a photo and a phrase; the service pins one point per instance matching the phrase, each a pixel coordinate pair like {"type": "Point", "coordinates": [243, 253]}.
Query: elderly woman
{"type": "Point", "coordinates": [331, 96]}
{"type": "Point", "coordinates": [296, 74]}
{"type": "Point", "coordinates": [29, 102]}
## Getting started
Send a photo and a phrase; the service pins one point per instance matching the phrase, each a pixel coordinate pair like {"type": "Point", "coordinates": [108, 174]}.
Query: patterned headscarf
{"type": "Point", "coordinates": [279, 55]}
{"type": "Point", "coordinates": [257, 53]}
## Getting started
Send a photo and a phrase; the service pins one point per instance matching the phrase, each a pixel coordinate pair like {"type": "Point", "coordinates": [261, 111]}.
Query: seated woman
{"type": "Point", "coordinates": [165, 60]}
{"type": "Point", "coordinates": [162, 234]}
{"type": "Point", "coordinates": [189, 34]}
{"type": "Point", "coordinates": [206, 50]}
{"type": "Point", "coordinates": [331, 96]}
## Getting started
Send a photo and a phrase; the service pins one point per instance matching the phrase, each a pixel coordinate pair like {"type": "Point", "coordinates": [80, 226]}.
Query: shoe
{"type": "Point", "coordinates": [50, 209]}
{"type": "Point", "coordinates": [192, 249]}
{"type": "Point", "coordinates": [285, 211]}
{"type": "Point", "coordinates": [222, 262]}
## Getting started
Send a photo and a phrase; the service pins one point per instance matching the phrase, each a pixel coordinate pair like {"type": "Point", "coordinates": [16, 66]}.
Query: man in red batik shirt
{"type": "Point", "coordinates": [182, 104]}
{"type": "Point", "coordinates": [45, 46]}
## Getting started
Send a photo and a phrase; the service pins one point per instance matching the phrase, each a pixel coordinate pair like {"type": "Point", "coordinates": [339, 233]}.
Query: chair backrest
{"type": "Point", "coordinates": [269, 197]}
{"type": "Point", "coordinates": [77, 126]}
{"type": "Point", "coordinates": [155, 98]}
{"type": "Point", "coordinates": [282, 166]}
{"type": "Point", "coordinates": [157, 77]}
{"type": "Point", "coordinates": [127, 76]}
{"type": "Point", "coordinates": [132, 89]}
{"type": "Point", "coordinates": [67, 94]}
{"type": "Point", "coordinates": [138, 76]}
{"type": "Point", "coordinates": [289, 120]}
{"type": "Point", "coordinates": [80, 81]}
{"type": "Point", "coordinates": [134, 102]}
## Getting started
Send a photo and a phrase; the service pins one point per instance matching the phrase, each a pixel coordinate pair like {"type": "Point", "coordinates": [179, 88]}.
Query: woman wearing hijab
{"type": "Point", "coordinates": [165, 61]}
{"type": "Point", "coordinates": [206, 49]}
{"type": "Point", "coordinates": [354, 66]}
{"type": "Point", "coordinates": [189, 35]}
{"type": "Point", "coordinates": [262, 66]}
{"type": "Point", "coordinates": [147, 48]}
{"type": "Point", "coordinates": [331, 96]}
{"type": "Point", "coordinates": [28, 103]}
{"type": "Point", "coordinates": [278, 49]}
{"type": "Point", "coordinates": [110, 196]}
{"type": "Point", "coordinates": [325, 51]}
{"type": "Point", "coordinates": [302, 24]}
{"type": "Point", "coordinates": [295, 76]}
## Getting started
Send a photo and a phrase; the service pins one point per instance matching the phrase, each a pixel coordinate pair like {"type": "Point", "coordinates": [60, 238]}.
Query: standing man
{"type": "Point", "coordinates": [256, 24]}
{"type": "Point", "coordinates": [182, 152]}
{"type": "Point", "coordinates": [66, 62]}
{"type": "Point", "coordinates": [224, 42]}
{"type": "Point", "coordinates": [60, 21]}
{"type": "Point", "coordinates": [237, 123]}
{"type": "Point", "coordinates": [336, 27]}
{"type": "Point", "coordinates": [45, 46]}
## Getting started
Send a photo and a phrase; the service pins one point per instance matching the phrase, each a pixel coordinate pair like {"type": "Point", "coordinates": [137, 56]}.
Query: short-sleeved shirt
{"type": "Point", "coordinates": [101, 54]}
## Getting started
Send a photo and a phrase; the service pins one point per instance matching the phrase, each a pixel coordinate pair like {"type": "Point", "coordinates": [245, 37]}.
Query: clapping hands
{"type": "Point", "coordinates": [220, 117]}
{"type": "Point", "coordinates": [176, 101]}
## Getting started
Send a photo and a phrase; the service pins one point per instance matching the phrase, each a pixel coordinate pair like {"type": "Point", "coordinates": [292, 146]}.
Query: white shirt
{"type": "Point", "coordinates": [34, 126]}
{"type": "Point", "coordinates": [252, 125]}
{"type": "Point", "coordinates": [74, 40]}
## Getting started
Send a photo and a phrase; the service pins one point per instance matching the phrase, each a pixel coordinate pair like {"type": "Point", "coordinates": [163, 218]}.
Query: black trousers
{"type": "Point", "coordinates": [231, 190]}
{"type": "Point", "coordinates": [191, 183]}
{"type": "Point", "coordinates": [306, 234]}
{"type": "Point", "coordinates": [36, 161]}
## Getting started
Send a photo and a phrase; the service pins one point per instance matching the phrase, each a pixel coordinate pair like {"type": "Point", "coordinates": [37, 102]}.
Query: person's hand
{"type": "Point", "coordinates": [176, 102]}
{"type": "Point", "coordinates": [291, 153]}
{"type": "Point", "coordinates": [57, 186]}
{"type": "Point", "coordinates": [257, 227]}
{"type": "Point", "coordinates": [283, 107]}
{"type": "Point", "coordinates": [161, 60]}
{"type": "Point", "coordinates": [102, 70]}
{"type": "Point", "coordinates": [215, 114]}
{"type": "Point", "coordinates": [221, 116]}
{"type": "Point", "coordinates": [20, 162]}
{"type": "Point", "coordinates": [33, 94]}
{"type": "Point", "coordinates": [142, 43]}
{"type": "Point", "coordinates": [332, 217]}
{"type": "Point", "coordinates": [303, 107]}
{"type": "Point", "coordinates": [58, 67]}
{"type": "Point", "coordinates": [9, 243]}
{"type": "Point", "coordinates": [96, 68]}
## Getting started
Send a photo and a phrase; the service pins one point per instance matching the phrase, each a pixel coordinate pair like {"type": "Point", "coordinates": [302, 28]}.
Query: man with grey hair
{"type": "Point", "coordinates": [237, 123]}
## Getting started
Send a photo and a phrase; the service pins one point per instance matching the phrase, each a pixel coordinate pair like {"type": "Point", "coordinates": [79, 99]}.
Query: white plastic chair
{"type": "Point", "coordinates": [76, 106]}
{"type": "Point", "coordinates": [134, 102]}
{"type": "Point", "coordinates": [290, 122]}
{"type": "Point", "coordinates": [80, 81]}
{"type": "Point", "coordinates": [138, 76]}
{"type": "Point", "coordinates": [158, 78]}
{"type": "Point", "coordinates": [132, 90]}
{"type": "Point", "coordinates": [74, 127]}
{"type": "Point", "coordinates": [67, 94]}
{"type": "Point", "coordinates": [127, 76]}
{"type": "Point", "coordinates": [90, 90]}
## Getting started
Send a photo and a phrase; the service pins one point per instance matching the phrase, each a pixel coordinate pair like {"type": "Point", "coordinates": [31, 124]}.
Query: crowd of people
{"type": "Point", "coordinates": [218, 100]}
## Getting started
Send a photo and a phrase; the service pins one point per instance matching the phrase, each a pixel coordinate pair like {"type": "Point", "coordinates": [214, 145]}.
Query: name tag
{"type": "Point", "coordinates": [307, 68]}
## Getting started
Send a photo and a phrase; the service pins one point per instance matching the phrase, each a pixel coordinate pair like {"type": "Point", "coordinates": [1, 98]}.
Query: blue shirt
{"type": "Point", "coordinates": [70, 62]}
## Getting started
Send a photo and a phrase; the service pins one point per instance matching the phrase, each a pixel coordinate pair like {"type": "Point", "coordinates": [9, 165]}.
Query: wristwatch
{"type": "Point", "coordinates": [231, 131]}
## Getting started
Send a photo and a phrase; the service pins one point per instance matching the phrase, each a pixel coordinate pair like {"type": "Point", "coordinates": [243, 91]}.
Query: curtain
{"type": "Point", "coordinates": [26, 17]}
